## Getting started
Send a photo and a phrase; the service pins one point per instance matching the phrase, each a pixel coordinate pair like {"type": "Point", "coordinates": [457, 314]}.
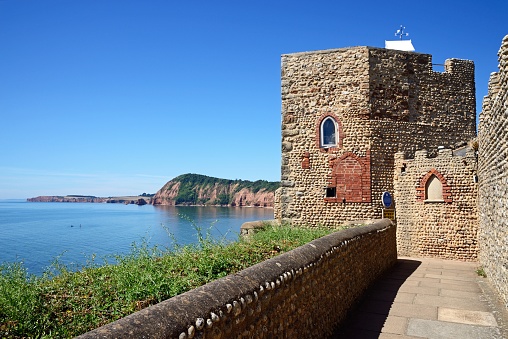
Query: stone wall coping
{"type": "Point", "coordinates": [176, 316]}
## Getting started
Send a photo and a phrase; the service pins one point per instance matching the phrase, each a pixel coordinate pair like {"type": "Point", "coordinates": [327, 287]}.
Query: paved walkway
{"type": "Point", "coordinates": [429, 298]}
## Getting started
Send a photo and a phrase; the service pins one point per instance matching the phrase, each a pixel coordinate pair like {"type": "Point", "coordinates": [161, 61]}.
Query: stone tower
{"type": "Point", "coordinates": [346, 112]}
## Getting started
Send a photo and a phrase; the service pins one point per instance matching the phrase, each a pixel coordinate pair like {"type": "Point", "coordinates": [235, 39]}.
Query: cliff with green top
{"type": "Point", "coordinates": [196, 189]}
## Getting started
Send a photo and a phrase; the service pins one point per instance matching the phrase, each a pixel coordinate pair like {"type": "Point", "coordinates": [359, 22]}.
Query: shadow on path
{"type": "Point", "coordinates": [370, 315]}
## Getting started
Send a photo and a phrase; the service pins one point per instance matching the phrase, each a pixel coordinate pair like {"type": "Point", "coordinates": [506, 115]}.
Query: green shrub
{"type": "Point", "coordinates": [64, 303]}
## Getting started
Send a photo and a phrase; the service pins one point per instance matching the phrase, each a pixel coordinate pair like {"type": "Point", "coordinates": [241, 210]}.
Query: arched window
{"type": "Point", "coordinates": [329, 135]}
{"type": "Point", "coordinates": [433, 189]}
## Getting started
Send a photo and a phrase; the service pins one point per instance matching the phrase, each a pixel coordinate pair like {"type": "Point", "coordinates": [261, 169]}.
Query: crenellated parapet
{"type": "Point", "coordinates": [436, 203]}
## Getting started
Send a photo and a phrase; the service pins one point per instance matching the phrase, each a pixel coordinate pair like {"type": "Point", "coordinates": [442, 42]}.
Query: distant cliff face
{"type": "Point", "coordinates": [138, 200]}
{"type": "Point", "coordinates": [57, 198]}
{"type": "Point", "coordinates": [194, 189]}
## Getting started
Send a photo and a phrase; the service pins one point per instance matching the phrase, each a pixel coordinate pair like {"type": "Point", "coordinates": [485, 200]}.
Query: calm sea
{"type": "Point", "coordinates": [37, 233]}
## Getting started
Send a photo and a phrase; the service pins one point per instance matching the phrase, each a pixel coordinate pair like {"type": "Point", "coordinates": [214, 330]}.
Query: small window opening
{"type": "Point", "coordinates": [331, 192]}
{"type": "Point", "coordinates": [434, 189]}
{"type": "Point", "coordinates": [403, 168]}
{"type": "Point", "coordinates": [328, 133]}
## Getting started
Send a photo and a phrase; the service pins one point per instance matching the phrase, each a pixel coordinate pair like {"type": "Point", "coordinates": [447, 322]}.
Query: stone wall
{"type": "Point", "coordinates": [304, 293]}
{"type": "Point", "coordinates": [384, 101]}
{"type": "Point", "coordinates": [493, 176]}
{"type": "Point", "coordinates": [445, 226]}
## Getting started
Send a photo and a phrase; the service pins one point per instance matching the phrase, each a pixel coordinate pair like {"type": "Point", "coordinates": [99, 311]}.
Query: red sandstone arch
{"type": "Point", "coordinates": [420, 190]}
{"type": "Point", "coordinates": [351, 178]}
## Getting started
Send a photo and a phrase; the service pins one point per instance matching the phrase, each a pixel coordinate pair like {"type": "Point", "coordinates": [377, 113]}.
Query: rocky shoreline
{"type": "Point", "coordinates": [135, 200]}
{"type": "Point", "coordinates": [138, 200]}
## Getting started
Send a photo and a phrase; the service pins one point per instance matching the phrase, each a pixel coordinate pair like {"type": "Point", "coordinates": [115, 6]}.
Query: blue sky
{"type": "Point", "coordinates": [114, 97]}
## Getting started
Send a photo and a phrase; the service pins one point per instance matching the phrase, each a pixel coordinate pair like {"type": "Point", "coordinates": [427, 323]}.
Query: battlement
{"type": "Point", "coordinates": [459, 67]}
{"type": "Point", "coordinates": [443, 185]}
{"type": "Point", "coordinates": [440, 153]}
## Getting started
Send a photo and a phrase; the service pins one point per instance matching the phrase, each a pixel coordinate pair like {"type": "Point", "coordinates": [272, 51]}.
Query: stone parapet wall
{"type": "Point", "coordinates": [446, 227]}
{"type": "Point", "coordinates": [493, 177]}
{"type": "Point", "coordinates": [403, 87]}
{"type": "Point", "coordinates": [304, 293]}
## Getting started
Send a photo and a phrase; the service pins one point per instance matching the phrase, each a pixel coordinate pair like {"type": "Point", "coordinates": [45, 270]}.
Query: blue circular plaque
{"type": "Point", "coordinates": [386, 199]}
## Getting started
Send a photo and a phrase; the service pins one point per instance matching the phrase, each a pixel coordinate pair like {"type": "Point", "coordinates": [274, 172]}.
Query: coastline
{"type": "Point", "coordinates": [138, 200]}
{"type": "Point", "coordinates": [127, 200]}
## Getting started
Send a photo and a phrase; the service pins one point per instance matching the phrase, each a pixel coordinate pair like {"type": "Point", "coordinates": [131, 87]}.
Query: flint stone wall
{"type": "Point", "coordinates": [493, 176]}
{"type": "Point", "coordinates": [385, 102]}
{"type": "Point", "coordinates": [446, 229]}
{"type": "Point", "coordinates": [304, 293]}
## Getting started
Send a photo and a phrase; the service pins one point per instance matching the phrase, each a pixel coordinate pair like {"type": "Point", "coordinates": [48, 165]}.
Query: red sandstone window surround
{"type": "Point", "coordinates": [429, 183]}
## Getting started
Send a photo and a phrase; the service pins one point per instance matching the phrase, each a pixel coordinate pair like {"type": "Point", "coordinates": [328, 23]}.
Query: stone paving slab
{"type": "Point", "coordinates": [432, 329]}
{"type": "Point", "coordinates": [459, 279]}
{"type": "Point", "coordinates": [455, 287]}
{"type": "Point", "coordinates": [363, 334]}
{"type": "Point", "coordinates": [451, 302]}
{"type": "Point", "coordinates": [462, 284]}
{"type": "Point", "coordinates": [424, 280]}
{"type": "Point", "coordinates": [414, 310]}
{"type": "Point", "coordinates": [428, 298]}
{"type": "Point", "coordinates": [466, 317]}
{"type": "Point", "coordinates": [459, 294]}
{"type": "Point", "coordinates": [430, 290]}
{"type": "Point", "coordinates": [394, 336]}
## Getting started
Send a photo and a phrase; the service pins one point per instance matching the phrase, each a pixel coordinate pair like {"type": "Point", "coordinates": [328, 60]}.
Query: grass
{"type": "Point", "coordinates": [63, 303]}
{"type": "Point", "coordinates": [481, 272]}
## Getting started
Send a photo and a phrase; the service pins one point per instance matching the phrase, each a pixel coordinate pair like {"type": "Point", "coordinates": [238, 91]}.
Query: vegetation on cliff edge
{"type": "Point", "coordinates": [190, 183]}
{"type": "Point", "coordinates": [63, 303]}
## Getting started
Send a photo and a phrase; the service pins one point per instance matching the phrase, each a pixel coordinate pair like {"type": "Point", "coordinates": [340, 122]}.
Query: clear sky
{"type": "Point", "coordinates": [114, 97]}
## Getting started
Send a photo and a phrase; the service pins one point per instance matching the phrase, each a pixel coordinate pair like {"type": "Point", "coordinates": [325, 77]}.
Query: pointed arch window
{"type": "Point", "coordinates": [328, 133]}
{"type": "Point", "coordinates": [434, 189]}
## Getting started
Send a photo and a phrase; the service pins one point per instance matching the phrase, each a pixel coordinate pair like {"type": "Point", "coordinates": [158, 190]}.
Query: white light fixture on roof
{"type": "Point", "coordinates": [401, 45]}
